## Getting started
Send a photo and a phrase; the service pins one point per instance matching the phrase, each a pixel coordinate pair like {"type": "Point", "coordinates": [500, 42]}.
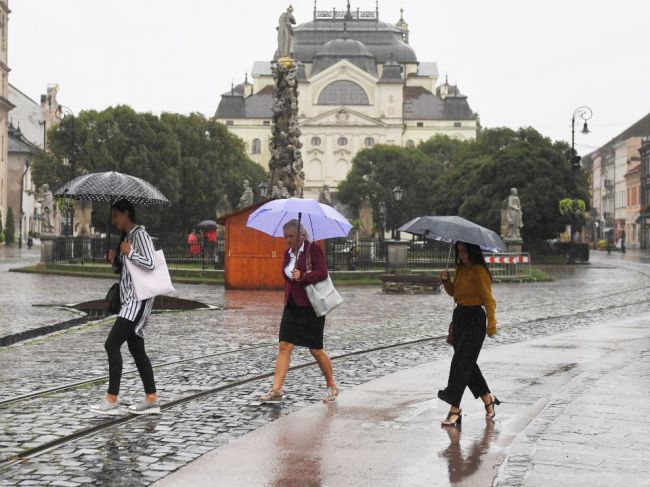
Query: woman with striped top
{"type": "Point", "coordinates": [135, 245]}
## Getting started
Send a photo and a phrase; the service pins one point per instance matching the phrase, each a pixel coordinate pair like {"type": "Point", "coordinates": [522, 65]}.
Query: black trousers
{"type": "Point", "coordinates": [124, 331]}
{"type": "Point", "coordinates": [469, 333]}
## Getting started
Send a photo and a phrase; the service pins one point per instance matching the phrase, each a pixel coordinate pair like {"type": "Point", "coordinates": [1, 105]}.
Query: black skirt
{"type": "Point", "coordinates": [301, 327]}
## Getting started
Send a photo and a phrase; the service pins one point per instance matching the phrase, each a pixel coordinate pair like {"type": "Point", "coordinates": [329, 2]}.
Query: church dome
{"type": "Point", "coordinates": [352, 50]}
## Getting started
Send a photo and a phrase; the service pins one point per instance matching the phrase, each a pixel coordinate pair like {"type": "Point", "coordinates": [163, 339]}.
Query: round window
{"type": "Point", "coordinates": [315, 141]}
{"type": "Point", "coordinates": [369, 142]}
{"type": "Point", "coordinates": [343, 141]}
{"type": "Point", "coordinates": [410, 144]}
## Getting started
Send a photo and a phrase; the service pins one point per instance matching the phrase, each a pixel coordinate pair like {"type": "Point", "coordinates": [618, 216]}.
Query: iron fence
{"type": "Point", "coordinates": [342, 255]}
{"type": "Point", "coordinates": [178, 252]}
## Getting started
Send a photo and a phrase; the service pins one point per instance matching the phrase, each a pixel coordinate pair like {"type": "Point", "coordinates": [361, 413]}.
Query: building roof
{"type": "Point", "coordinates": [392, 73]}
{"type": "Point", "coordinates": [28, 114]}
{"type": "Point", "coordinates": [383, 40]}
{"type": "Point", "coordinates": [352, 50]}
{"type": "Point", "coordinates": [428, 69]}
{"type": "Point", "coordinates": [633, 170]}
{"type": "Point", "coordinates": [421, 104]}
{"type": "Point", "coordinates": [257, 105]}
{"type": "Point", "coordinates": [18, 143]}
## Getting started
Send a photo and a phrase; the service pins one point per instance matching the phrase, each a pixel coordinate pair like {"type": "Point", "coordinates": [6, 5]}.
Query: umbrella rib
{"type": "Point", "coordinates": [279, 222]}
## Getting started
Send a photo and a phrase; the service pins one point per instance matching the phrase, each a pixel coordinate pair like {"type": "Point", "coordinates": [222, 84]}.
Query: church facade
{"type": "Point", "coordinates": [360, 84]}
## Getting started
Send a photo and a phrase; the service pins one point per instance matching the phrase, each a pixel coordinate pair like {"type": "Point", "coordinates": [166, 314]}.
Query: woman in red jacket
{"type": "Point", "coordinates": [300, 326]}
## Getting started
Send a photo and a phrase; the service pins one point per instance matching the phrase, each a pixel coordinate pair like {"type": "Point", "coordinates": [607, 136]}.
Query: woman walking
{"type": "Point", "coordinates": [304, 263]}
{"type": "Point", "coordinates": [471, 290]}
{"type": "Point", "coordinates": [135, 245]}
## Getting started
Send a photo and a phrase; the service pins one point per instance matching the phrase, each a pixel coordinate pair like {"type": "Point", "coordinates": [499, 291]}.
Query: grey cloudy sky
{"type": "Point", "coordinates": [521, 62]}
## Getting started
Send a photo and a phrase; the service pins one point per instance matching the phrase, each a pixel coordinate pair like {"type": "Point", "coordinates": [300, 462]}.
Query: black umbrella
{"type": "Point", "coordinates": [109, 187]}
{"type": "Point", "coordinates": [207, 224]}
{"type": "Point", "coordinates": [454, 229]}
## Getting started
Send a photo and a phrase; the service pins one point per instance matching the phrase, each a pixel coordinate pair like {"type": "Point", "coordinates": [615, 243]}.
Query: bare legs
{"type": "Point", "coordinates": [284, 359]}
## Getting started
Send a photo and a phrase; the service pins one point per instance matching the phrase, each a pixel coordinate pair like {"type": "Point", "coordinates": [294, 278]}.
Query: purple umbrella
{"type": "Point", "coordinates": [321, 221]}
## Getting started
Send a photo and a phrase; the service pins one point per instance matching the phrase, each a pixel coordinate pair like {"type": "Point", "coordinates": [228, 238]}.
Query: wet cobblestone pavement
{"type": "Point", "coordinates": [216, 348]}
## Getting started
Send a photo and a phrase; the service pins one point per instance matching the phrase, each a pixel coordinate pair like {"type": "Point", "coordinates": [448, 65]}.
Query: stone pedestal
{"type": "Point", "coordinates": [47, 248]}
{"type": "Point", "coordinates": [514, 245]}
{"type": "Point", "coordinates": [410, 284]}
{"type": "Point", "coordinates": [396, 255]}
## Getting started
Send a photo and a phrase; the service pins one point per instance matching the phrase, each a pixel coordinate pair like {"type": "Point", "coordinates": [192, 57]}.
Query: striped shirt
{"type": "Point", "coordinates": [142, 255]}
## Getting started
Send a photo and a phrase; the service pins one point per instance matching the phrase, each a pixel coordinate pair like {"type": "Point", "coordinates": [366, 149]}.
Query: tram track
{"type": "Point", "coordinates": [10, 461]}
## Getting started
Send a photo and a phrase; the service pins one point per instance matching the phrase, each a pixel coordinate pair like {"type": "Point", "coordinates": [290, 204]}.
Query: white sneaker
{"type": "Point", "coordinates": [145, 407]}
{"type": "Point", "coordinates": [106, 407]}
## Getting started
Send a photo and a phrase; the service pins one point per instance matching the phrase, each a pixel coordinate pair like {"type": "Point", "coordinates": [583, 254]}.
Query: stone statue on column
{"type": "Point", "coordinates": [286, 163]}
{"type": "Point", "coordinates": [285, 34]}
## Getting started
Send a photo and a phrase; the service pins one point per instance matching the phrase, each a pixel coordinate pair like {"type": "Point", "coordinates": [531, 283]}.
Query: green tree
{"type": "Point", "coordinates": [500, 159]}
{"type": "Point", "coordinates": [191, 159]}
{"type": "Point", "coordinates": [10, 227]}
{"type": "Point", "coordinates": [376, 171]}
{"type": "Point", "coordinates": [443, 149]}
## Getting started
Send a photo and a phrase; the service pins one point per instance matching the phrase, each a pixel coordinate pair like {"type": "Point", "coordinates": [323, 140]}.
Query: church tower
{"type": "Point", "coordinates": [403, 26]}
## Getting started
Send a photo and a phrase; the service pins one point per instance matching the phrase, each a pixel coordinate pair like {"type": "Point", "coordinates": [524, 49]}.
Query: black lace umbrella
{"type": "Point", "coordinates": [109, 187]}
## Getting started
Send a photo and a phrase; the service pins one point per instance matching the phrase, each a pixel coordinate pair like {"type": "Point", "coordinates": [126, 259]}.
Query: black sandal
{"type": "Point", "coordinates": [495, 402]}
{"type": "Point", "coordinates": [457, 423]}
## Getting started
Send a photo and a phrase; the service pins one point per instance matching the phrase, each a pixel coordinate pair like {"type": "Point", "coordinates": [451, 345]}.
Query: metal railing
{"type": "Point", "coordinates": [178, 253]}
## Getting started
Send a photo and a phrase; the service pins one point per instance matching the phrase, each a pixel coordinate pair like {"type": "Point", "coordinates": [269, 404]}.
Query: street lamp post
{"type": "Point", "coordinates": [398, 194]}
{"type": "Point", "coordinates": [585, 114]}
{"type": "Point", "coordinates": [22, 213]}
{"type": "Point", "coordinates": [382, 220]}
{"type": "Point", "coordinates": [264, 189]}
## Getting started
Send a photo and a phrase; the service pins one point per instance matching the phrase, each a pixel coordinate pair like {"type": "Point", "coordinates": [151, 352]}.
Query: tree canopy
{"type": "Point", "coordinates": [191, 159]}
{"type": "Point", "coordinates": [471, 179]}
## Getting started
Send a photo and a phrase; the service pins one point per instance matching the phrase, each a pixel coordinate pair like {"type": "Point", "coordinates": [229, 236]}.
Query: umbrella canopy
{"type": "Point", "coordinates": [321, 221]}
{"type": "Point", "coordinates": [454, 229]}
{"type": "Point", "coordinates": [207, 224]}
{"type": "Point", "coordinates": [109, 187]}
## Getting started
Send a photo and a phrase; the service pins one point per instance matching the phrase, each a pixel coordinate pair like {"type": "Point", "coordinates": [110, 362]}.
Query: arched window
{"type": "Point", "coordinates": [410, 144]}
{"type": "Point", "coordinates": [315, 141]}
{"type": "Point", "coordinates": [369, 142]}
{"type": "Point", "coordinates": [343, 92]}
{"type": "Point", "coordinates": [256, 146]}
{"type": "Point", "coordinates": [343, 141]}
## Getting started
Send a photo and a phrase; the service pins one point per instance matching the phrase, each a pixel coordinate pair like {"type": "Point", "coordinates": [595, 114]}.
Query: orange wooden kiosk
{"type": "Point", "coordinates": [253, 260]}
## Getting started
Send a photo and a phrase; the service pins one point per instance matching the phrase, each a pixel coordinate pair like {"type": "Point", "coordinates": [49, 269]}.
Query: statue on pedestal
{"type": "Point", "coordinates": [247, 197]}
{"type": "Point", "coordinates": [324, 196]}
{"type": "Point", "coordinates": [514, 217]}
{"type": "Point", "coordinates": [47, 209]}
{"type": "Point", "coordinates": [366, 222]}
{"type": "Point", "coordinates": [285, 33]}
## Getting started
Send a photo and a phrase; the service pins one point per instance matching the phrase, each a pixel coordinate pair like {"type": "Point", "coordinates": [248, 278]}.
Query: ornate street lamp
{"type": "Point", "coordinates": [382, 220]}
{"type": "Point", "coordinates": [585, 114]}
{"type": "Point", "coordinates": [264, 189]}
{"type": "Point", "coordinates": [398, 192]}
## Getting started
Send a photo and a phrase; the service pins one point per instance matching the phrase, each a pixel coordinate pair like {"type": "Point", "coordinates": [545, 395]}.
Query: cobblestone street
{"type": "Point", "coordinates": [226, 355]}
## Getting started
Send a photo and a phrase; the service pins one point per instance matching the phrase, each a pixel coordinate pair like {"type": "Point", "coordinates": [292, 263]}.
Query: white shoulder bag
{"type": "Point", "coordinates": [148, 284]}
{"type": "Point", "coordinates": [322, 295]}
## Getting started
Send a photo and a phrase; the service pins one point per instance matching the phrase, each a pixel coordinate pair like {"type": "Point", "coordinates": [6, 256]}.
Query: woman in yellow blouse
{"type": "Point", "coordinates": [472, 291]}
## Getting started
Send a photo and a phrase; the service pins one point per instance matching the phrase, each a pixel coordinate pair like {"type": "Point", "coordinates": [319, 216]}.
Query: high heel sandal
{"type": "Point", "coordinates": [459, 420]}
{"type": "Point", "coordinates": [493, 403]}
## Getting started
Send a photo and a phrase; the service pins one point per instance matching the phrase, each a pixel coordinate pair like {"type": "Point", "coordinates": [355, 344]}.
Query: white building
{"type": "Point", "coordinates": [5, 106]}
{"type": "Point", "coordinates": [360, 84]}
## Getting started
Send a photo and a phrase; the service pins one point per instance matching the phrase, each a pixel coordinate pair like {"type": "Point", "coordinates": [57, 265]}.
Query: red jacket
{"type": "Point", "coordinates": [296, 289]}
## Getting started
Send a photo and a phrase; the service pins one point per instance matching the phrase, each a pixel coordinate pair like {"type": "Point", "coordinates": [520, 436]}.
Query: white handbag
{"type": "Point", "coordinates": [148, 284]}
{"type": "Point", "coordinates": [322, 295]}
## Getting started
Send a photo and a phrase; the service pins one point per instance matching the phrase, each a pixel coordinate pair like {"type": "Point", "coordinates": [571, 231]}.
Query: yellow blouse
{"type": "Point", "coordinates": [472, 287]}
